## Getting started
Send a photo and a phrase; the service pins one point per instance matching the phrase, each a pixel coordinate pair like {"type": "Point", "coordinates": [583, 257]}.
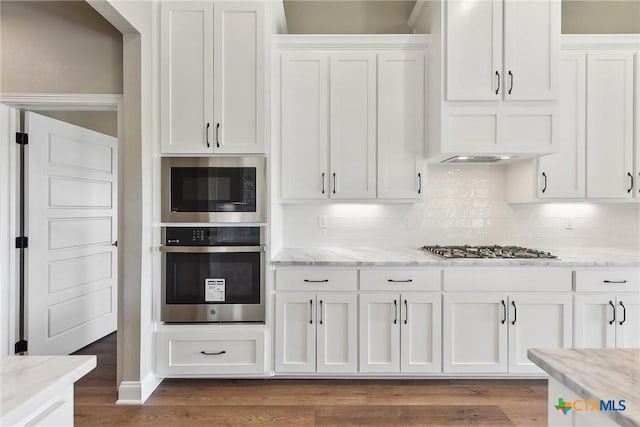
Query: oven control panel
{"type": "Point", "coordinates": [212, 236]}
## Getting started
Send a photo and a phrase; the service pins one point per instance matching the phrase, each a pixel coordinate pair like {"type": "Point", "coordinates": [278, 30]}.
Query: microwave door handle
{"type": "Point", "coordinates": [211, 249]}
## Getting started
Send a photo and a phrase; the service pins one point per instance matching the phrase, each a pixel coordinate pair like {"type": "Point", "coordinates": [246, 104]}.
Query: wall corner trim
{"type": "Point", "coordinates": [137, 392]}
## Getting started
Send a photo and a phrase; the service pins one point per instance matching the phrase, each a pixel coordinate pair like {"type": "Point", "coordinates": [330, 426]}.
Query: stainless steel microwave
{"type": "Point", "coordinates": [213, 189]}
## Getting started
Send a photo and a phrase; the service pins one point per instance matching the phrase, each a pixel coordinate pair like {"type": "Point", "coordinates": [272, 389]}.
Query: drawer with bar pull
{"type": "Point", "coordinates": [400, 280]}
{"type": "Point", "coordinates": [316, 280]}
{"type": "Point", "coordinates": [613, 280]}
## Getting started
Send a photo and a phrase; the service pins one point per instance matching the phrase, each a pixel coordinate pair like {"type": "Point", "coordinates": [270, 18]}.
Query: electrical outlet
{"type": "Point", "coordinates": [322, 221]}
{"type": "Point", "coordinates": [406, 222]}
{"type": "Point", "coordinates": [568, 225]}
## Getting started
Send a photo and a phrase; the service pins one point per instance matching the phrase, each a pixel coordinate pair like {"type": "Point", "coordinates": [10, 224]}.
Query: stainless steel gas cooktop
{"type": "Point", "coordinates": [502, 252]}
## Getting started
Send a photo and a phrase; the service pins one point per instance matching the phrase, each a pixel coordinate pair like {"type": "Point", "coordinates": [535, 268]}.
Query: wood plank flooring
{"type": "Point", "coordinates": [274, 402]}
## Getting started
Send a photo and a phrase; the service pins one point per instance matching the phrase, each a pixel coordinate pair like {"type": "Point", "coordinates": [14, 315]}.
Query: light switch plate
{"type": "Point", "coordinates": [322, 221]}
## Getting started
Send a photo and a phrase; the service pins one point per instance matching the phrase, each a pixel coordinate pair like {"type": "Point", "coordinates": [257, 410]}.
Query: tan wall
{"type": "Point", "coordinates": [101, 121]}
{"type": "Point", "coordinates": [348, 17]}
{"type": "Point", "coordinates": [58, 47]}
{"type": "Point", "coordinates": [601, 16]}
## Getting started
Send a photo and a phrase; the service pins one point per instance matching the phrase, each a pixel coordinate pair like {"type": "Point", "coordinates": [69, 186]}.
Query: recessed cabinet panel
{"type": "Point", "coordinates": [295, 332]}
{"type": "Point", "coordinates": [239, 77]}
{"type": "Point", "coordinates": [400, 125]}
{"type": "Point", "coordinates": [186, 77]}
{"type": "Point", "coordinates": [528, 128]}
{"type": "Point", "coordinates": [609, 124]}
{"type": "Point", "coordinates": [420, 333]}
{"type": "Point", "coordinates": [337, 333]}
{"type": "Point", "coordinates": [594, 325]}
{"type": "Point", "coordinates": [531, 49]}
{"type": "Point", "coordinates": [628, 321]}
{"type": "Point", "coordinates": [304, 125]}
{"type": "Point", "coordinates": [479, 128]}
{"type": "Point", "coordinates": [474, 49]}
{"type": "Point", "coordinates": [379, 333]}
{"type": "Point", "coordinates": [353, 125]}
{"type": "Point", "coordinates": [562, 174]}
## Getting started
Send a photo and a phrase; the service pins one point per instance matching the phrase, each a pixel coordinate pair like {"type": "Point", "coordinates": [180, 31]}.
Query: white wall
{"type": "Point", "coordinates": [463, 205]}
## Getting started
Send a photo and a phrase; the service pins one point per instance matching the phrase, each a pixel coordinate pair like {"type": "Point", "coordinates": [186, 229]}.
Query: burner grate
{"type": "Point", "coordinates": [488, 252]}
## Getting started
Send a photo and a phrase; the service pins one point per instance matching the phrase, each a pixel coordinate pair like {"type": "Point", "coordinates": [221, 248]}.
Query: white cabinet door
{"type": "Point", "coordinates": [628, 321]}
{"type": "Point", "coordinates": [400, 125]}
{"type": "Point", "coordinates": [337, 333]}
{"type": "Point", "coordinates": [239, 77]}
{"type": "Point", "coordinates": [475, 333]}
{"type": "Point", "coordinates": [353, 125]}
{"type": "Point", "coordinates": [304, 125]}
{"type": "Point", "coordinates": [295, 332]}
{"type": "Point", "coordinates": [594, 324]}
{"type": "Point", "coordinates": [609, 124]}
{"type": "Point", "coordinates": [186, 76]}
{"type": "Point", "coordinates": [379, 332]}
{"type": "Point", "coordinates": [636, 126]}
{"type": "Point", "coordinates": [474, 50]}
{"type": "Point", "coordinates": [537, 321]}
{"type": "Point", "coordinates": [421, 331]}
{"type": "Point", "coordinates": [531, 49]}
{"type": "Point", "coordinates": [562, 175]}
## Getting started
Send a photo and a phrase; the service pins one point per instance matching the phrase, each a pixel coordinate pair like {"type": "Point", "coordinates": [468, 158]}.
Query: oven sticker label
{"type": "Point", "coordinates": [214, 290]}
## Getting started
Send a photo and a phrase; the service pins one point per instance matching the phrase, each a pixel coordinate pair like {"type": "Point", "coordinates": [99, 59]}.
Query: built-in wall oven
{"type": "Point", "coordinates": [213, 189]}
{"type": "Point", "coordinates": [212, 274]}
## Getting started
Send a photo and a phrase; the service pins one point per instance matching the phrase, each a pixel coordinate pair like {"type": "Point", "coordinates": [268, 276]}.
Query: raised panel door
{"type": "Point", "coordinates": [562, 175]}
{"type": "Point", "coordinates": [475, 333]}
{"type": "Point", "coordinates": [186, 76]}
{"type": "Point", "coordinates": [474, 50]}
{"type": "Point", "coordinates": [295, 332]}
{"type": "Point", "coordinates": [239, 77]}
{"type": "Point", "coordinates": [304, 125]}
{"type": "Point", "coordinates": [353, 125]}
{"type": "Point", "coordinates": [594, 324]}
{"type": "Point", "coordinates": [537, 321]}
{"type": "Point", "coordinates": [531, 49]}
{"type": "Point", "coordinates": [400, 125]}
{"type": "Point", "coordinates": [379, 333]}
{"type": "Point", "coordinates": [420, 332]}
{"type": "Point", "coordinates": [609, 124]}
{"type": "Point", "coordinates": [337, 333]}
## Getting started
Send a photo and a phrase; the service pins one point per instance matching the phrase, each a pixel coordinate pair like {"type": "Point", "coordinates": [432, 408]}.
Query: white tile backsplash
{"type": "Point", "coordinates": [463, 205]}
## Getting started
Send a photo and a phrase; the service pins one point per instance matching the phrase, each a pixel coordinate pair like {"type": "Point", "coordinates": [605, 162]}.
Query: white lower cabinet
{"type": "Point", "coordinates": [490, 333]}
{"type": "Point", "coordinates": [400, 332]}
{"type": "Point", "coordinates": [316, 332]}
{"type": "Point", "coordinates": [607, 320]}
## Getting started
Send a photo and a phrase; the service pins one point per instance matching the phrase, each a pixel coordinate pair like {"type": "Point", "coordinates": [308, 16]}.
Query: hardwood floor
{"type": "Point", "coordinates": [274, 402]}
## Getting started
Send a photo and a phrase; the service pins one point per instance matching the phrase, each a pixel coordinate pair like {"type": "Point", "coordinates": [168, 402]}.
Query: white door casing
{"type": "Point", "coordinates": [594, 325]}
{"type": "Point", "coordinates": [296, 332]}
{"type": "Point", "coordinates": [353, 125]}
{"type": "Point", "coordinates": [239, 77]}
{"type": "Point", "coordinates": [71, 279]}
{"type": "Point", "coordinates": [379, 332]}
{"type": "Point", "coordinates": [537, 321]}
{"type": "Point", "coordinates": [337, 330]}
{"type": "Point", "coordinates": [186, 77]}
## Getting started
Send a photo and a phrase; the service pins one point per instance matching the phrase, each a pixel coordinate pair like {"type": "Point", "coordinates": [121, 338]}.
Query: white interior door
{"type": "Point", "coordinates": [71, 262]}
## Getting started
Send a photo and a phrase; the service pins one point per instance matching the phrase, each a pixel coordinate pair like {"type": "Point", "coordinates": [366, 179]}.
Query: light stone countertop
{"type": "Point", "coordinates": [362, 257]}
{"type": "Point", "coordinates": [27, 382]}
{"type": "Point", "coordinates": [597, 374]}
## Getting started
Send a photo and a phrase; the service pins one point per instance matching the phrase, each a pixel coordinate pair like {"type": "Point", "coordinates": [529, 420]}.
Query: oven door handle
{"type": "Point", "coordinates": [211, 249]}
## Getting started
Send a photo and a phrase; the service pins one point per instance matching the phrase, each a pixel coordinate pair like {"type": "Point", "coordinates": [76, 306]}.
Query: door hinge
{"type": "Point", "coordinates": [22, 138]}
{"type": "Point", "coordinates": [21, 347]}
{"type": "Point", "coordinates": [22, 242]}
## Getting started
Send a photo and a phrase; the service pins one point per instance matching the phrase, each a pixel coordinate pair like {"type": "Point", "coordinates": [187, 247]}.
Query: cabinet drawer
{"type": "Point", "coordinates": [399, 280]}
{"type": "Point", "coordinates": [229, 353]}
{"type": "Point", "coordinates": [507, 280]}
{"type": "Point", "coordinates": [608, 280]}
{"type": "Point", "coordinates": [316, 280]}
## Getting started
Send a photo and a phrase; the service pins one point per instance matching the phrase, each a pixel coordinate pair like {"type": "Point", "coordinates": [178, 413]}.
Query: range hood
{"type": "Point", "coordinates": [478, 159]}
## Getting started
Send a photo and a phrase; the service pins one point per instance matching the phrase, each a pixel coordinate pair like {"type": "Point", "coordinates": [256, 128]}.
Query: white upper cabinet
{"type": "Point", "coordinates": [401, 113]}
{"type": "Point", "coordinates": [480, 34]}
{"type": "Point", "coordinates": [186, 77]}
{"type": "Point", "coordinates": [304, 96]}
{"type": "Point", "coordinates": [474, 50]}
{"type": "Point", "coordinates": [212, 86]}
{"type": "Point", "coordinates": [610, 124]}
{"type": "Point", "coordinates": [353, 125]}
{"type": "Point", "coordinates": [239, 77]}
{"type": "Point", "coordinates": [562, 175]}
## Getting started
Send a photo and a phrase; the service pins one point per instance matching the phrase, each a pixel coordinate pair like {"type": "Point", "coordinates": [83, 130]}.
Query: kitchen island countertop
{"type": "Point", "coordinates": [362, 257]}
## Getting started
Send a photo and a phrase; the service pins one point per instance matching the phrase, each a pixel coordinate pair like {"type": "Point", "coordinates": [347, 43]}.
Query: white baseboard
{"type": "Point", "coordinates": [137, 392]}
